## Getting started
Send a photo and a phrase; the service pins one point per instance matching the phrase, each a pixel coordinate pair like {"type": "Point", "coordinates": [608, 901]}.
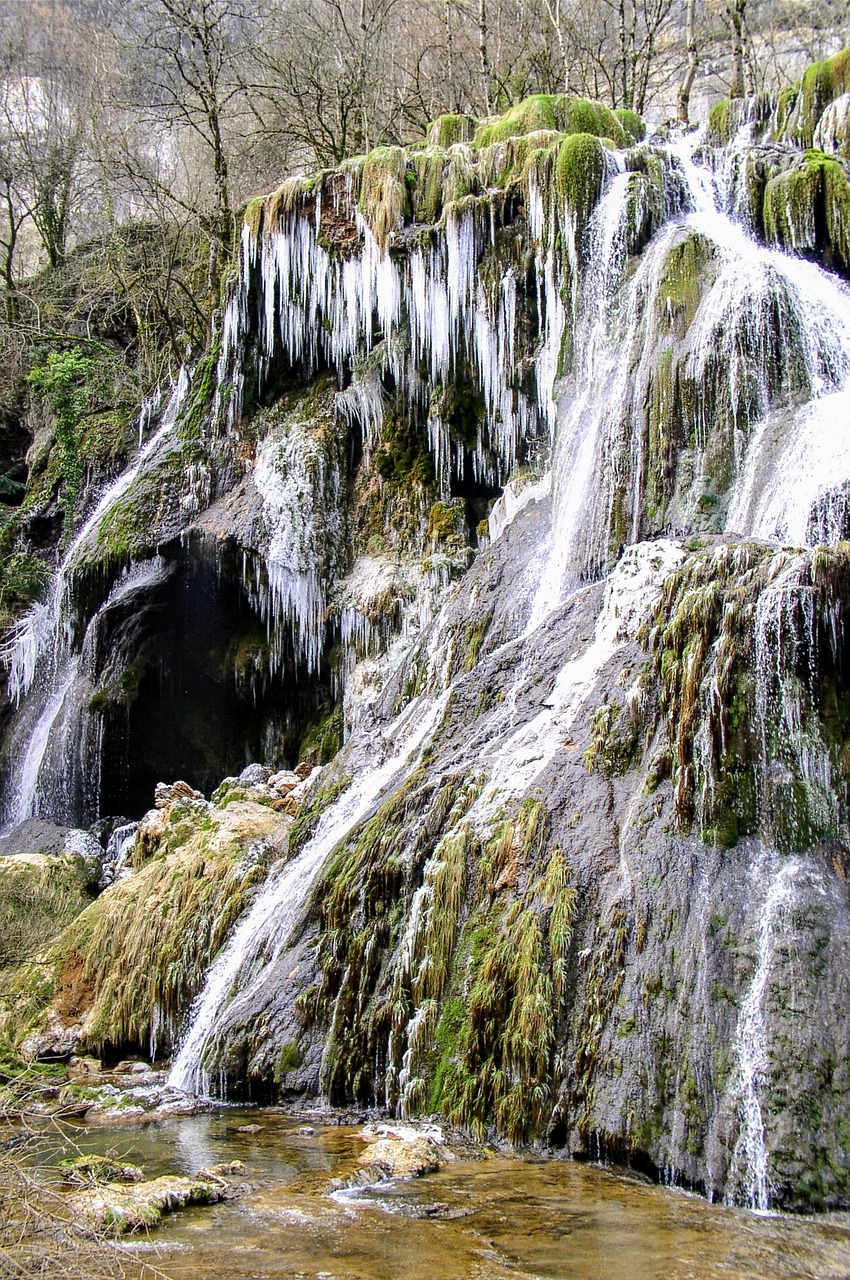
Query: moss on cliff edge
{"type": "Point", "coordinates": [554, 112]}
{"type": "Point", "coordinates": [132, 962]}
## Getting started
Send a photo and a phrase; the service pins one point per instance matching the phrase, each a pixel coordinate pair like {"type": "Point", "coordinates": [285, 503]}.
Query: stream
{"type": "Point", "coordinates": [488, 1219]}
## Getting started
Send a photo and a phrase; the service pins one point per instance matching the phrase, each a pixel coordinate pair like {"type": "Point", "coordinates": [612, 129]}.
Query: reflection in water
{"type": "Point", "coordinates": [493, 1219]}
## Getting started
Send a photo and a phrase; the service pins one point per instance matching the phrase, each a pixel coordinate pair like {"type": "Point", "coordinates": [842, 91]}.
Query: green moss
{"type": "Point", "coordinates": [822, 83]}
{"type": "Point", "coordinates": [552, 112]}
{"type": "Point", "coordinates": [580, 174]}
{"type": "Point", "coordinates": [289, 1059]}
{"type": "Point", "coordinates": [321, 742]}
{"type": "Point", "coordinates": [683, 281]}
{"type": "Point", "coordinates": [724, 120]}
{"type": "Point", "coordinates": [746, 777]}
{"type": "Point", "coordinates": [495, 1041]}
{"type": "Point", "coordinates": [39, 896]}
{"type": "Point", "coordinates": [427, 195]}
{"type": "Point", "coordinates": [144, 945]}
{"type": "Point", "coordinates": [473, 639]}
{"type": "Point", "coordinates": [633, 125]}
{"type": "Point", "coordinates": [447, 523]}
{"type": "Point", "coordinates": [62, 380]}
{"type": "Point", "coordinates": [614, 745]}
{"type": "Point", "coordinates": [448, 129]}
{"type": "Point", "coordinates": [807, 208]}
{"type": "Point", "coordinates": [403, 456]}
{"type": "Point", "coordinates": [105, 437]}
{"type": "Point", "coordinates": [23, 577]}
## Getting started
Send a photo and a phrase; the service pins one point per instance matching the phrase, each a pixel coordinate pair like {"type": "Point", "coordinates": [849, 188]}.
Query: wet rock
{"type": "Point", "coordinates": [36, 835]}
{"type": "Point", "coordinates": [85, 1170]}
{"type": "Point", "coordinates": [254, 775]}
{"type": "Point", "coordinates": [399, 1151]}
{"type": "Point", "coordinates": [175, 793]}
{"type": "Point", "coordinates": [284, 781]}
{"type": "Point", "coordinates": [119, 1210]}
{"type": "Point", "coordinates": [249, 1128]}
{"type": "Point", "coordinates": [84, 1066]}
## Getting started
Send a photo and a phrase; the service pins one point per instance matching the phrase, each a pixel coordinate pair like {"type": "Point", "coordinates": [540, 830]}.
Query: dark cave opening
{"type": "Point", "coordinates": [192, 695]}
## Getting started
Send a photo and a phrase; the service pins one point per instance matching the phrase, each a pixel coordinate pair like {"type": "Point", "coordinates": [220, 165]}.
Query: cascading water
{"type": "Point", "coordinates": [809, 442]}
{"type": "Point", "coordinates": [265, 928]}
{"type": "Point", "coordinates": [750, 1158]}
{"type": "Point", "coordinates": [42, 662]}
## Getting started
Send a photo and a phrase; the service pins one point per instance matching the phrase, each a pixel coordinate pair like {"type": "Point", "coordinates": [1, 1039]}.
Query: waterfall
{"type": "Point", "coordinates": [42, 662]}
{"type": "Point", "coordinates": [750, 1158]}
{"type": "Point", "coordinates": [265, 928]}
{"type": "Point", "coordinates": [810, 444]}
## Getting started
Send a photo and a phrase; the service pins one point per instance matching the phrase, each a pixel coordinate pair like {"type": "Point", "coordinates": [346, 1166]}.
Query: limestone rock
{"type": "Point", "coordinates": [119, 1210]}
{"type": "Point", "coordinates": [399, 1151]}
{"type": "Point", "coordinates": [284, 781]}
{"type": "Point", "coordinates": [175, 793]}
{"type": "Point", "coordinates": [84, 1170]}
{"type": "Point", "coordinates": [254, 775]}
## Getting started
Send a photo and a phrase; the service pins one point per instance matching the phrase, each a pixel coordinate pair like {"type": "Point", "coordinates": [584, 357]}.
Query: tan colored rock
{"type": "Point", "coordinates": [84, 1067]}
{"type": "Point", "coordinates": [400, 1157]}
{"type": "Point", "coordinates": [284, 781]}
{"type": "Point", "coordinates": [303, 770]}
{"type": "Point", "coordinates": [119, 1210]}
{"type": "Point", "coordinates": [176, 793]}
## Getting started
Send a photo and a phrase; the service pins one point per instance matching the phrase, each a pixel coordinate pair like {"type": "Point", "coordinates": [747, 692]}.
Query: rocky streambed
{"type": "Point", "coordinates": [311, 1196]}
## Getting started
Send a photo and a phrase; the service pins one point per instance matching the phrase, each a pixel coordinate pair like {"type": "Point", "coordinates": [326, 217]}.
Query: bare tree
{"type": "Point", "coordinates": [683, 100]}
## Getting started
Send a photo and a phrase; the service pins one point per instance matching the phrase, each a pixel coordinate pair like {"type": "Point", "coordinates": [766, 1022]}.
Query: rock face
{"type": "Point", "coordinates": [579, 874]}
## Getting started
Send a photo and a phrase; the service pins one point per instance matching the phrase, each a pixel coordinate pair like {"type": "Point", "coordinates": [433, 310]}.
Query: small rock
{"type": "Point", "coordinates": [255, 775]}
{"type": "Point", "coordinates": [284, 781]}
{"type": "Point", "coordinates": [306, 1130]}
{"type": "Point", "coordinates": [225, 1170]}
{"type": "Point", "coordinates": [86, 1171]}
{"type": "Point", "coordinates": [249, 1128]}
{"type": "Point", "coordinates": [400, 1158]}
{"type": "Point", "coordinates": [119, 1210]}
{"type": "Point", "coordinates": [303, 770]}
{"type": "Point", "coordinates": [176, 793]}
{"type": "Point", "coordinates": [84, 1066]}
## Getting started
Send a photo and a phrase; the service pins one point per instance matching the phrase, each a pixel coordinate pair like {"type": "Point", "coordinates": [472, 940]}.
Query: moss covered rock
{"type": "Point", "coordinates": [807, 210]}
{"type": "Point", "coordinates": [553, 112]}
{"type": "Point", "coordinates": [140, 951]}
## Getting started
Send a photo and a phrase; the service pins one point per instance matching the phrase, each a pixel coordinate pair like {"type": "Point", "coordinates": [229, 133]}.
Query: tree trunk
{"type": "Point", "coordinates": [482, 49]}
{"type": "Point", "coordinates": [683, 102]}
{"type": "Point", "coordinates": [735, 14]}
{"type": "Point", "coordinates": [450, 69]}
{"type": "Point", "coordinates": [624, 56]}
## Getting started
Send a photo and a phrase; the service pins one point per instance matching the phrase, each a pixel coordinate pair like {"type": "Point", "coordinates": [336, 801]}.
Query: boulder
{"type": "Point", "coordinates": [399, 1151]}
{"type": "Point", "coordinates": [85, 1171]}
{"type": "Point", "coordinates": [119, 1210]}
{"type": "Point", "coordinates": [255, 775]}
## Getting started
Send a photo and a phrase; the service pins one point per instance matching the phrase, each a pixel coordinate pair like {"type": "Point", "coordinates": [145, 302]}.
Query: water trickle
{"type": "Point", "coordinates": [264, 930]}
{"type": "Point", "coordinates": [40, 655]}
{"type": "Point", "coordinates": [750, 1163]}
